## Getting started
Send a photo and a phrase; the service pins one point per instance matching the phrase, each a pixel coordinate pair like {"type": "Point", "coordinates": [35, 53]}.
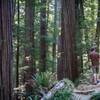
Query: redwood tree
{"type": "Point", "coordinates": [29, 33]}
{"type": "Point", "coordinates": [68, 58]}
{"type": "Point", "coordinates": [54, 36]}
{"type": "Point", "coordinates": [17, 51]}
{"type": "Point", "coordinates": [1, 91]}
{"type": "Point", "coordinates": [98, 26]}
{"type": "Point", "coordinates": [43, 36]}
{"type": "Point", "coordinates": [79, 12]}
{"type": "Point", "coordinates": [5, 49]}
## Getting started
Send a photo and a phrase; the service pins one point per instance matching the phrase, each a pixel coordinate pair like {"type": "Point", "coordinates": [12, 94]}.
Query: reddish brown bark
{"type": "Point", "coordinates": [43, 36]}
{"type": "Point", "coordinates": [68, 56]}
{"type": "Point", "coordinates": [6, 49]}
{"type": "Point", "coordinates": [1, 91]}
{"type": "Point", "coordinates": [61, 65]}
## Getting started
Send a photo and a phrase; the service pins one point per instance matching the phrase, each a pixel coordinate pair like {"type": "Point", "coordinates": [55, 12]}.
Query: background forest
{"type": "Point", "coordinates": [43, 42]}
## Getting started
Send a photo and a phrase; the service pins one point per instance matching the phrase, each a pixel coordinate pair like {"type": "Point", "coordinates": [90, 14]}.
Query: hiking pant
{"type": "Point", "coordinates": [95, 69]}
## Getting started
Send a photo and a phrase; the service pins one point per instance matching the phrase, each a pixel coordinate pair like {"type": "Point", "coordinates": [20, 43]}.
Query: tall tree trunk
{"type": "Point", "coordinates": [60, 60]}
{"type": "Point", "coordinates": [68, 32]}
{"type": "Point", "coordinates": [98, 26]}
{"type": "Point", "coordinates": [43, 36]}
{"type": "Point", "coordinates": [6, 49]}
{"type": "Point", "coordinates": [17, 53]}
{"type": "Point", "coordinates": [54, 36]}
{"type": "Point", "coordinates": [79, 31]}
{"type": "Point", "coordinates": [48, 8]}
{"type": "Point", "coordinates": [1, 89]}
{"type": "Point", "coordinates": [29, 49]}
{"type": "Point", "coordinates": [61, 64]}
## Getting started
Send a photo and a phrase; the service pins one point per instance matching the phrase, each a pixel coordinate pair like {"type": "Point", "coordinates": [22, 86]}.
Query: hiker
{"type": "Point", "coordinates": [94, 57]}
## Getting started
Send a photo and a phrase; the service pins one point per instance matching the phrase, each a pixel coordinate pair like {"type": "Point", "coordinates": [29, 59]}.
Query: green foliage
{"type": "Point", "coordinates": [95, 96]}
{"type": "Point", "coordinates": [42, 79]}
{"type": "Point", "coordinates": [85, 34]}
{"type": "Point", "coordinates": [36, 97]}
{"type": "Point", "coordinates": [69, 85]}
{"type": "Point", "coordinates": [62, 94]}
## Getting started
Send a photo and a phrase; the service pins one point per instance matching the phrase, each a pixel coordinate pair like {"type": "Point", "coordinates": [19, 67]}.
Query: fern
{"type": "Point", "coordinates": [95, 96]}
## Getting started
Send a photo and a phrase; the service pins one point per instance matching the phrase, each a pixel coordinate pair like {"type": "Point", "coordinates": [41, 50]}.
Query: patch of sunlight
{"type": "Point", "coordinates": [37, 62]}
{"type": "Point", "coordinates": [50, 17]}
{"type": "Point", "coordinates": [23, 68]}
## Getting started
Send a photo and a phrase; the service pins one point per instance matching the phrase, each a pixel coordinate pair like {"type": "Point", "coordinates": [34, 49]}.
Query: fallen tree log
{"type": "Point", "coordinates": [60, 85]}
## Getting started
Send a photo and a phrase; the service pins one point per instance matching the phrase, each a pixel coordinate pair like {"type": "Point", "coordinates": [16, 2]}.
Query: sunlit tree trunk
{"type": "Point", "coordinates": [54, 36]}
{"type": "Point", "coordinates": [98, 26]}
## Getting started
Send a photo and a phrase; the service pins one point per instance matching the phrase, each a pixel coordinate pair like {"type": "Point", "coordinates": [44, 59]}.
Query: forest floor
{"type": "Point", "coordinates": [85, 89]}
